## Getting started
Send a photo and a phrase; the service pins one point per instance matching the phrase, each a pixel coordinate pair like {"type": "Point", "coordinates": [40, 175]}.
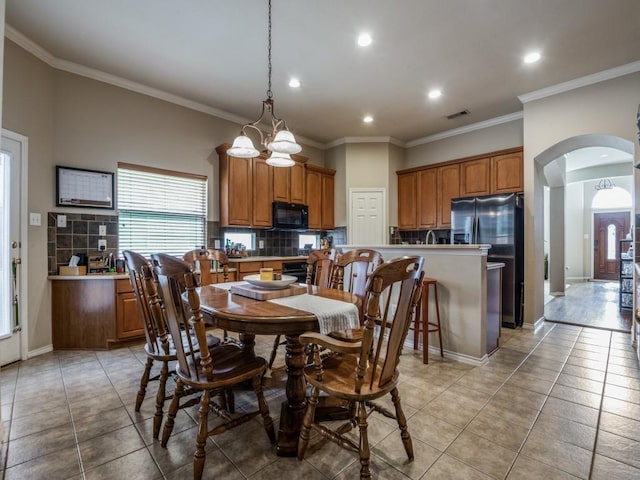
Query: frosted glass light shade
{"type": "Point", "coordinates": [243, 148]}
{"type": "Point", "coordinates": [280, 160]}
{"type": "Point", "coordinates": [284, 142]}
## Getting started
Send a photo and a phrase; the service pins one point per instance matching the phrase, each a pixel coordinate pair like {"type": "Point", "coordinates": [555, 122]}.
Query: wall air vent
{"type": "Point", "coordinates": [458, 114]}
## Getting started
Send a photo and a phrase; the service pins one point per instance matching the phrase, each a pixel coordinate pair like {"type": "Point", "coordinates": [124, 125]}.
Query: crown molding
{"type": "Point", "coordinates": [511, 117]}
{"type": "Point", "coordinates": [94, 74]}
{"type": "Point", "coordinates": [581, 82]}
{"type": "Point", "coordinates": [346, 140]}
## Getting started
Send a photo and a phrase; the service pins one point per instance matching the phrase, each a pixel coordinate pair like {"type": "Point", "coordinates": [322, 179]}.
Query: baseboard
{"type": "Point", "coordinates": [557, 294]}
{"type": "Point", "coordinates": [40, 351]}
{"type": "Point", "coordinates": [434, 351]}
{"type": "Point", "coordinates": [534, 326]}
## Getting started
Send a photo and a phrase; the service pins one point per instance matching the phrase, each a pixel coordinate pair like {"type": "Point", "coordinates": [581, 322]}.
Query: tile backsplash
{"type": "Point", "coordinates": [80, 237]}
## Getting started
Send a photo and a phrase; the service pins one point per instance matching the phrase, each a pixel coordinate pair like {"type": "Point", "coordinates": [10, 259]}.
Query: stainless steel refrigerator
{"type": "Point", "coordinates": [497, 220]}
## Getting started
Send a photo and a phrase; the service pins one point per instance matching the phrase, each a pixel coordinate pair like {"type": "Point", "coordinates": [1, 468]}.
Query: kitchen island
{"type": "Point", "coordinates": [461, 272]}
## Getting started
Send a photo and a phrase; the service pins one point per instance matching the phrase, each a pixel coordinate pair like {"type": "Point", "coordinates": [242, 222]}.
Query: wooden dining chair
{"type": "Point", "coordinates": [159, 345]}
{"type": "Point", "coordinates": [209, 371]}
{"type": "Point", "coordinates": [367, 370]}
{"type": "Point", "coordinates": [319, 273]}
{"type": "Point", "coordinates": [204, 260]}
{"type": "Point", "coordinates": [351, 271]}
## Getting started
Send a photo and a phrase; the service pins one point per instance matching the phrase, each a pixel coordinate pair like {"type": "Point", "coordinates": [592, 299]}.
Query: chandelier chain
{"type": "Point", "coordinates": [269, 92]}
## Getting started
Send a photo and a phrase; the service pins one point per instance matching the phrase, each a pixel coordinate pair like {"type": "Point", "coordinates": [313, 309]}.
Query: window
{"type": "Point", "coordinates": [615, 197]}
{"type": "Point", "coordinates": [161, 210]}
{"type": "Point", "coordinates": [611, 242]}
{"type": "Point", "coordinates": [246, 239]}
{"type": "Point", "coordinates": [304, 240]}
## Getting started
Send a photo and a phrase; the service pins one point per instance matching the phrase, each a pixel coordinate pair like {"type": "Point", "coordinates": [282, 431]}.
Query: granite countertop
{"type": "Point", "coordinates": [91, 276]}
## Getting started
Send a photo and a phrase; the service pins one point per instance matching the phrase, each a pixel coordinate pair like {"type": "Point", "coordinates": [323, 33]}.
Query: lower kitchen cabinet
{"type": "Point", "coordinates": [94, 312]}
{"type": "Point", "coordinates": [253, 268]}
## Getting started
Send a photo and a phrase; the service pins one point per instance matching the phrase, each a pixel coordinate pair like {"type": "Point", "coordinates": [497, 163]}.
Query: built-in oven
{"type": "Point", "coordinates": [296, 269]}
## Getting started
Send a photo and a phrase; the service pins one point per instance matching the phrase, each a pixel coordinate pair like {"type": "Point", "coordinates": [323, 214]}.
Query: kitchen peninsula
{"type": "Point", "coordinates": [461, 272]}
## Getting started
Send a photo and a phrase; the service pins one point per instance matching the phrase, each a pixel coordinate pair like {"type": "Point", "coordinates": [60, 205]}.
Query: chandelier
{"type": "Point", "coordinates": [280, 141]}
{"type": "Point", "coordinates": [604, 184]}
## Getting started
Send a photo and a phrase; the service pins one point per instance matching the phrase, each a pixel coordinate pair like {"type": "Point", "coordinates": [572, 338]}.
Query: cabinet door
{"type": "Point", "coordinates": [296, 183]}
{"type": "Point", "coordinates": [281, 181]}
{"type": "Point", "coordinates": [314, 198]}
{"type": "Point", "coordinates": [128, 320]}
{"type": "Point", "coordinates": [428, 198]}
{"type": "Point", "coordinates": [475, 177]}
{"type": "Point", "coordinates": [507, 173]}
{"type": "Point", "coordinates": [240, 183]}
{"type": "Point", "coordinates": [448, 188]}
{"type": "Point", "coordinates": [262, 193]}
{"type": "Point", "coordinates": [328, 207]}
{"type": "Point", "coordinates": [407, 201]}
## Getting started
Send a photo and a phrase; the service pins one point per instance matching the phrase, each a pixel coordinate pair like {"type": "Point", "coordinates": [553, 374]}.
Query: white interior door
{"type": "Point", "coordinates": [11, 316]}
{"type": "Point", "coordinates": [367, 222]}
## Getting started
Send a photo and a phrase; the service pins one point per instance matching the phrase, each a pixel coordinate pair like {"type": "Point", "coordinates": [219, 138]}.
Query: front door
{"type": "Point", "coordinates": [10, 241]}
{"type": "Point", "coordinates": [367, 220]}
{"type": "Point", "coordinates": [608, 229]}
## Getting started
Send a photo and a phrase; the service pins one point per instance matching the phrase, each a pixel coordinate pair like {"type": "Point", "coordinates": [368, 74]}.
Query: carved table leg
{"type": "Point", "coordinates": [247, 342]}
{"type": "Point", "coordinates": [292, 410]}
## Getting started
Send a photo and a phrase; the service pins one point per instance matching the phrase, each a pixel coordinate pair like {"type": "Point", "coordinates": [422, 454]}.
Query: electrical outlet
{"type": "Point", "coordinates": [260, 243]}
{"type": "Point", "coordinates": [102, 245]}
{"type": "Point", "coordinates": [61, 221]}
{"type": "Point", "coordinates": [102, 230]}
{"type": "Point", "coordinates": [216, 244]}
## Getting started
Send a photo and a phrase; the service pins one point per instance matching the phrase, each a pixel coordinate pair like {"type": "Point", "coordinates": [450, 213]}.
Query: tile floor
{"type": "Point", "coordinates": [559, 403]}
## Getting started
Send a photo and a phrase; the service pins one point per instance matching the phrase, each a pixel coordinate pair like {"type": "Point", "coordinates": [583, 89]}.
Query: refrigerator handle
{"type": "Point", "coordinates": [476, 228]}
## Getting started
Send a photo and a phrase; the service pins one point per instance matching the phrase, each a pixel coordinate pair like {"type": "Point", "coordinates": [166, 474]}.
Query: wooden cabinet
{"type": "Point", "coordinates": [425, 193]}
{"type": "Point", "coordinates": [320, 197]}
{"type": "Point", "coordinates": [262, 193]}
{"type": "Point", "coordinates": [248, 186]}
{"type": "Point", "coordinates": [253, 267]}
{"type": "Point", "coordinates": [128, 319]}
{"type": "Point", "coordinates": [448, 188]}
{"type": "Point", "coordinates": [427, 198]}
{"type": "Point", "coordinates": [507, 173]}
{"type": "Point", "coordinates": [94, 312]}
{"type": "Point", "coordinates": [288, 184]}
{"type": "Point", "coordinates": [475, 177]}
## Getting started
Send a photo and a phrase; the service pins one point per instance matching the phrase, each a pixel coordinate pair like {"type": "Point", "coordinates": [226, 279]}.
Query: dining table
{"type": "Point", "coordinates": [250, 317]}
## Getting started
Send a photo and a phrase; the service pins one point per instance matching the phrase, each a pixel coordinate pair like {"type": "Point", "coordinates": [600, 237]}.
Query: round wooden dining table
{"type": "Point", "coordinates": [249, 317]}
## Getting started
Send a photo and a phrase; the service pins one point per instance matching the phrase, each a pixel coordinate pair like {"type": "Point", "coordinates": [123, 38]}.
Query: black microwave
{"type": "Point", "coordinates": [290, 216]}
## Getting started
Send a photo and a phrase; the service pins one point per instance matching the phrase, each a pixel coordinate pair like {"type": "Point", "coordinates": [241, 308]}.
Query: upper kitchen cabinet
{"type": "Point", "coordinates": [407, 201]}
{"type": "Point", "coordinates": [320, 197]}
{"type": "Point", "coordinates": [507, 173]}
{"type": "Point", "coordinates": [448, 188]}
{"type": "Point", "coordinates": [475, 177]}
{"type": "Point", "coordinates": [427, 198]}
{"type": "Point", "coordinates": [236, 181]}
{"type": "Point", "coordinates": [417, 199]}
{"type": "Point", "coordinates": [289, 182]}
{"type": "Point", "coordinates": [239, 176]}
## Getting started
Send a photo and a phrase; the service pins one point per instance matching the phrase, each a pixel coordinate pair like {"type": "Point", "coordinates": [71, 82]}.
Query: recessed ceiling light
{"type": "Point", "coordinates": [294, 83]}
{"type": "Point", "coordinates": [532, 57]}
{"type": "Point", "coordinates": [435, 93]}
{"type": "Point", "coordinates": [367, 119]}
{"type": "Point", "coordinates": [364, 40]}
{"type": "Point", "coordinates": [604, 155]}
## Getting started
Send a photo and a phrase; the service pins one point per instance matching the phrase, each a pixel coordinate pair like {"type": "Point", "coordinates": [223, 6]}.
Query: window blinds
{"type": "Point", "coordinates": [161, 211]}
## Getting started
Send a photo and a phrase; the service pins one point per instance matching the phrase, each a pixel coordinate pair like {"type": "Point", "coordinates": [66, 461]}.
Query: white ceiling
{"type": "Point", "coordinates": [213, 52]}
{"type": "Point", "coordinates": [596, 156]}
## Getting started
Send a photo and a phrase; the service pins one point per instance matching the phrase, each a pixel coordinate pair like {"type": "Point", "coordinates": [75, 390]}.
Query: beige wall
{"type": "Point", "coordinates": [605, 108]}
{"type": "Point", "coordinates": [499, 137]}
{"type": "Point", "coordinates": [75, 121]}
{"type": "Point", "coordinates": [336, 158]}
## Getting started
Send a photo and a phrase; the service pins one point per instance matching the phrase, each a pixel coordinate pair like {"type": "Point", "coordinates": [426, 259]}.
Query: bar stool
{"type": "Point", "coordinates": [423, 323]}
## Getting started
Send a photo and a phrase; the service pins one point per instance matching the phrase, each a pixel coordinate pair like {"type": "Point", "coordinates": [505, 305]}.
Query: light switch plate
{"type": "Point", "coordinates": [216, 244]}
{"type": "Point", "coordinates": [35, 219]}
{"type": "Point", "coordinates": [102, 230]}
{"type": "Point", "coordinates": [61, 221]}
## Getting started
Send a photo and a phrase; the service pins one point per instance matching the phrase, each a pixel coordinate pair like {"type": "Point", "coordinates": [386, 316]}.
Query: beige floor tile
{"type": "Point", "coordinates": [572, 411]}
{"type": "Point", "coordinates": [530, 382]}
{"type": "Point", "coordinates": [42, 443]}
{"type": "Point", "coordinates": [620, 407]}
{"type": "Point", "coordinates": [432, 430]}
{"type": "Point", "coordinates": [138, 464]}
{"type": "Point", "coordinates": [61, 464]}
{"type": "Point", "coordinates": [392, 451]}
{"type": "Point", "coordinates": [565, 430]}
{"type": "Point", "coordinates": [510, 394]}
{"type": "Point", "coordinates": [216, 466]}
{"type": "Point", "coordinates": [482, 454]}
{"type": "Point", "coordinates": [623, 381]}
{"type": "Point", "coordinates": [622, 393]}
{"type": "Point", "coordinates": [37, 422]}
{"type": "Point", "coordinates": [623, 426]}
{"type": "Point", "coordinates": [575, 395]}
{"type": "Point", "coordinates": [584, 372]}
{"type": "Point", "coordinates": [619, 448]}
{"type": "Point", "coordinates": [452, 469]}
{"type": "Point", "coordinates": [497, 429]}
{"type": "Point", "coordinates": [605, 468]}
{"type": "Point", "coordinates": [563, 456]}
{"type": "Point", "coordinates": [580, 383]}
{"type": "Point", "coordinates": [526, 468]}
{"type": "Point", "coordinates": [110, 446]}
